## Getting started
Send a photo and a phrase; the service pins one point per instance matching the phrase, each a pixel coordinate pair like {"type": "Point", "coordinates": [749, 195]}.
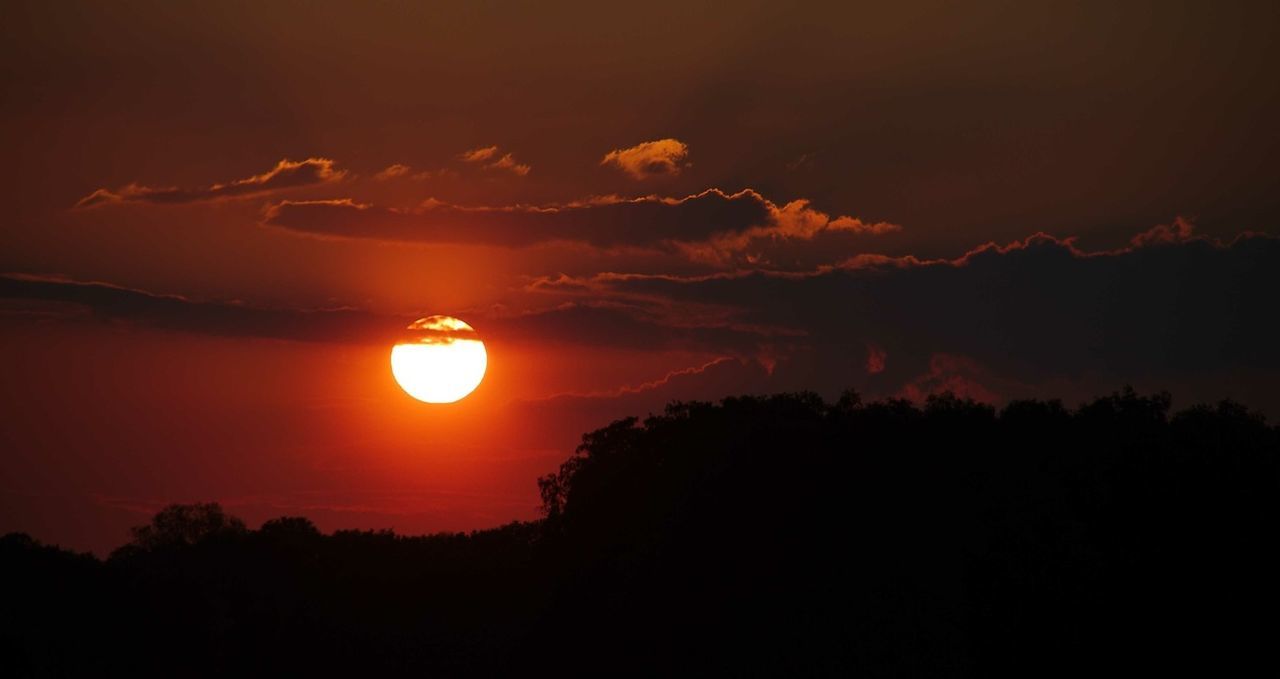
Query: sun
{"type": "Point", "coordinates": [440, 360]}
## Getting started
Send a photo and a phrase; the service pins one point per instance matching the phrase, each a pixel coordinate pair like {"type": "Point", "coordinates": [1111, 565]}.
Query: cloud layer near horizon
{"type": "Point", "coordinates": [587, 324]}
{"type": "Point", "coordinates": [1169, 307]}
{"type": "Point", "coordinates": [994, 321]}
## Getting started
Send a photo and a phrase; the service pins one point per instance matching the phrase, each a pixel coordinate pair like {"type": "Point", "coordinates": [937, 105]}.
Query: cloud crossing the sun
{"type": "Point", "coordinates": [991, 322]}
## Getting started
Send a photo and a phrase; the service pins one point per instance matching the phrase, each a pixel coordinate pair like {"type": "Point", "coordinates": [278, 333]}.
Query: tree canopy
{"type": "Point", "coordinates": [758, 535]}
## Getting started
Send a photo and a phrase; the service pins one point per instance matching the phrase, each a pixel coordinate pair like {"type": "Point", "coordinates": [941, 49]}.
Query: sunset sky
{"type": "Point", "coordinates": [218, 219]}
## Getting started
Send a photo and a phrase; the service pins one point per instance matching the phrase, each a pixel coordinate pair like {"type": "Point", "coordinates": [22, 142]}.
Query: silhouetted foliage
{"type": "Point", "coordinates": [185, 525]}
{"type": "Point", "coordinates": [771, 536]}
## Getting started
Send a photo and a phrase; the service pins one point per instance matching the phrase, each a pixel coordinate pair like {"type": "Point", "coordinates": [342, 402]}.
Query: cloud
{"type": "Point", "coordinates": [712, 227]}
{"type": "Point", "coordinates": [997, 322]}
{"type": "Point", "coordinates": [604, 324]}
{"type": "Point", "coordinates": [605, 222]}
{"type": "Point", "coordinates": [392, 171]}
{"type": "Point", "coordinates": [1163, 311]}
{"type": "Point", "coordinates": [79, 300]}
{"type": "Point", "coordinates": [664, 157]}
{"type": "Point", "coordinates": [508, 163]}
{"type": "Point", "coordinates": [478, 155]}
{"type": "Point", "coordinates": [804, 160]}
{"type": "Point", "coordinates": [287, 174]}
{"type": "Point", "coordinates": [795, 235]}
{"type": "Point", "coordinates": [959, 375]}
{"type": "Point", "coordinates": [1180, 230]}
{"type": "Point", "coordinates": [505, 162]}
{"type": "Point", "coordinates": [563, 417]}
{"type": "Point", "coordinates": [643, 387]}
{"type": "Point", "coordinates": [400, 170]}
{"type": "Point", "coordinates": [875, 359]}
{"type": "Point", "coordinates": [596, 325]}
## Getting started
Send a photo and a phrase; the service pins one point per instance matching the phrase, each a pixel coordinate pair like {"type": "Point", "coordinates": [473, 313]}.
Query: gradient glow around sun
{"type": "Point", "coordinates": [440, 360]}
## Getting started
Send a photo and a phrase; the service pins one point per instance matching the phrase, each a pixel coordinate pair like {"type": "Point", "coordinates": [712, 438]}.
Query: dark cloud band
{"type": "Point", "coordinates": [713, 226]}
{"type": "Point", "coordinates": [607, 222]}
{"type": "Point", "coordinates": [602, 325]}
{"type": "Point", "coordinates": [1169, 307]}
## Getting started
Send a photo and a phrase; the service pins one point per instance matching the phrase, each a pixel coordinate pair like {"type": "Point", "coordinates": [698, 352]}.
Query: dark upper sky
{"type": "Point", "coordinates": [217, 217]}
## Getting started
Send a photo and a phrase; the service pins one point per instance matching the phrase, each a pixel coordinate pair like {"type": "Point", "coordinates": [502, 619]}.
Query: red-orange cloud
{"type": "Point", "coordinates": [650, 159]}
{"type": "Point", "coordinates": [287, 174]}
{"type": "Point", "coordinates": [392, 171]}
{"type": "Point", "coordinates": [478, 155]}
{"type": "Point", "coordinates": [505, 162]}
{"type": "Point", "coordinates": [508, 163]}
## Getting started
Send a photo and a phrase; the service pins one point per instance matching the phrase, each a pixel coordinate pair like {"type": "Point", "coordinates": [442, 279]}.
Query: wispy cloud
{"type": "Point", "coordinates": [573, 324]}
{"type": "Point", "coordinates": [478, 155]}
{"type": "Point", "coordinates": [607, 221]}
{"type": "Point", "coordinates": [508, 163]}
{"type": "Point", "coordinates": [287, 174]}
{"type": "Point", "coordinates": [484, 156]}
{"type": "Point", "coordinates": [392, 171]}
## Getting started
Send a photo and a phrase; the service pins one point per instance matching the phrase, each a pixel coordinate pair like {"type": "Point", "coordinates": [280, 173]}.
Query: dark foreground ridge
{"type": "Point", "coordinates": [771, 536]}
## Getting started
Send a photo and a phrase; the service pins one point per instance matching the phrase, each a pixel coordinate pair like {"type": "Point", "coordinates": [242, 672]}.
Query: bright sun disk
{"type": "Point", "coordinates": [441, 360]}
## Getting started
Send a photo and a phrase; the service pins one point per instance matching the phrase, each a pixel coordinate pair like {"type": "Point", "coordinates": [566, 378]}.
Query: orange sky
{"type": "Point", "coordinates": [215, 218]}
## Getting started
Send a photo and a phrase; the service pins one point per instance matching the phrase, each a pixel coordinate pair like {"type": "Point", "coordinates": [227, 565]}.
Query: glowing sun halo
{"type": "Point", "coordinates": [440, 360]}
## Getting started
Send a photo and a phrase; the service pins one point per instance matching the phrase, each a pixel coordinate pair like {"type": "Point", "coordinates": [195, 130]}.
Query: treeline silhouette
{"type": "Point", "coordinates": [771, 536]}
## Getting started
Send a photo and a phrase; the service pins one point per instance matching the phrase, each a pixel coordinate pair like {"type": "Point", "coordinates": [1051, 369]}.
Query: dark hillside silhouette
{"type": "Point", "coordinates": [772, 536]}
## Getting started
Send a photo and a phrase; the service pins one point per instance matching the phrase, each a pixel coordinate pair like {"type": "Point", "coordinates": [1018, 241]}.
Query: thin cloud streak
{"type": "Point", "coordinates": [712, 227]}
{"type": "Point", "coordinates": [287, 174]}
{"type": "Point", "coordinates": [486, 155]}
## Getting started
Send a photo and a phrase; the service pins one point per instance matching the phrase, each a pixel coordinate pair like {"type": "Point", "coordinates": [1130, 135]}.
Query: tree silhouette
{"type": "Point", "coordinates": [775, 535]}
{"type": "Point", "coordinates": [184, 525]}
